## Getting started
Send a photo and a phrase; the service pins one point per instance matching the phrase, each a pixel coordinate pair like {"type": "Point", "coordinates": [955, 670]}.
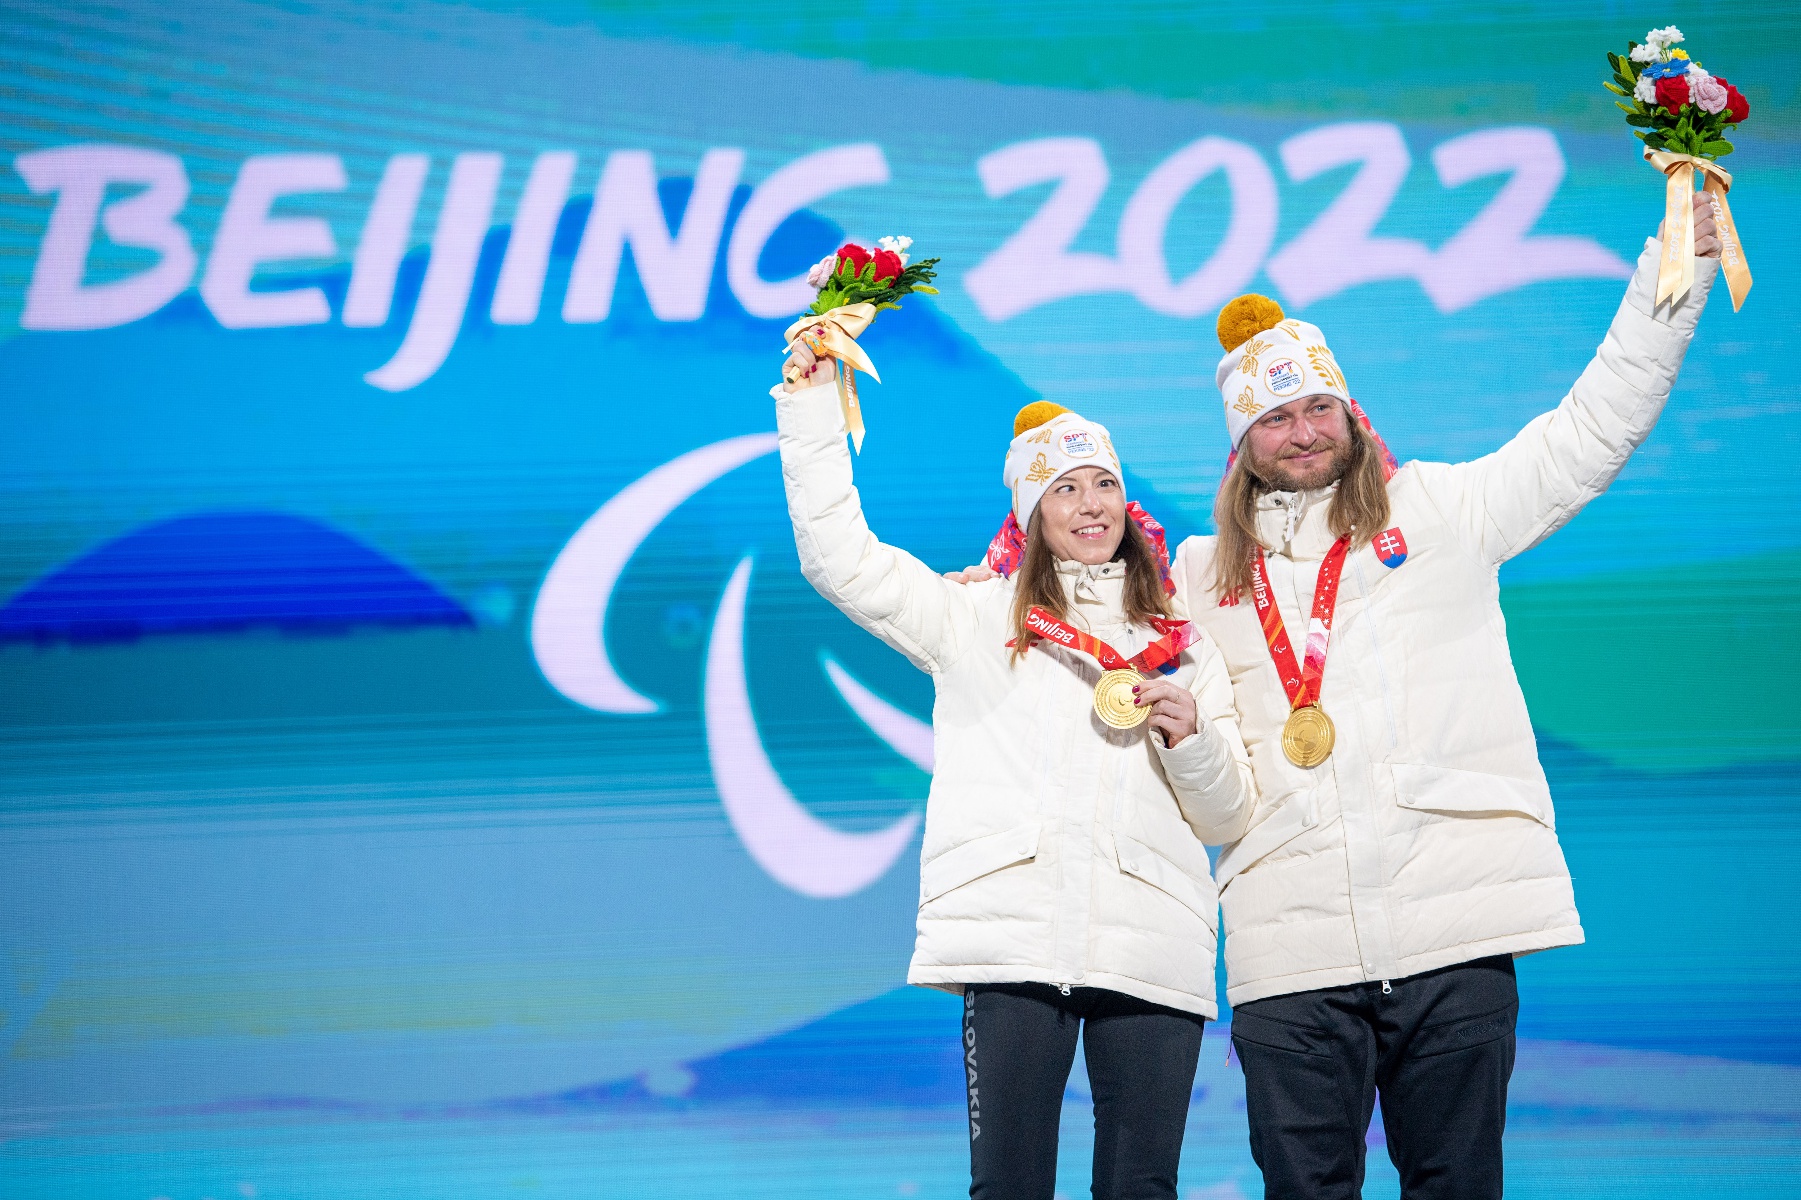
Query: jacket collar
{"type": "Point", "coordinates": [1293, 524]}
{"type": "Point", "coordinates": [1084, 584]}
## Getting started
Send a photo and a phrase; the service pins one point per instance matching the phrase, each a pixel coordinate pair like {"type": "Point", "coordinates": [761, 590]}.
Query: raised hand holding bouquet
{"type": "Point", "coordinates": [1682, 115]}
{"type": "Point", "coordinates": [854, 285]}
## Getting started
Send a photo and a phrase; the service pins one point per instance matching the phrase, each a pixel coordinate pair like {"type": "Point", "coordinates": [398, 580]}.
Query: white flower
{"type": "Point", "coordinates": [1644, 54]}
{"type": "Point", "coordinates": [896, 246]}
{"type": "Point", "coordinates": [1645, 89]}
{"type": "Point", "coordinates": [1664, 38]}
{"type": "Point", "coordinates": [1695, 74]}
{"type": "Point", "coordinates": [1707, 92]}
{"type": "Point", "coordinates": [822, 271]}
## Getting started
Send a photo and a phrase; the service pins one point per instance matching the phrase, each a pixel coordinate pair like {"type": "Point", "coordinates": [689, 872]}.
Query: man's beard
{"type": "Point", "coordinates": [1277, 476]}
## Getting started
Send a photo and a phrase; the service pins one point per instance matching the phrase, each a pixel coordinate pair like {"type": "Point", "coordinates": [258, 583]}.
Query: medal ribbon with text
{"type": "Point", "coordinates": [1301, 683]}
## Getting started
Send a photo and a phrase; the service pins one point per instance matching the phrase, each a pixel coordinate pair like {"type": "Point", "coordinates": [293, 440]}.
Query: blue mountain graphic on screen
{"type": "Point", "coordinates": [224, 571]}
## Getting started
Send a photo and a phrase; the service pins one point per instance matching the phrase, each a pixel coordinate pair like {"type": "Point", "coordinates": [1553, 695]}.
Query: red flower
{"type": "Point", "coordinates": [855, 254]}
{"type": "Point", "coordinates": [1673, 94]}
{"type": "Point", "coordinates": [1737, 107]}
{"type": "Point", "coordinates": [887, 265]}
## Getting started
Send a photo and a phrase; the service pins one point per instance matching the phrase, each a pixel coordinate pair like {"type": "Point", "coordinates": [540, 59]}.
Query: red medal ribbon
{"type": "Point", "coordinates": [1303, 684]}
{"type": "Point", "coordinates": [1177, 637]}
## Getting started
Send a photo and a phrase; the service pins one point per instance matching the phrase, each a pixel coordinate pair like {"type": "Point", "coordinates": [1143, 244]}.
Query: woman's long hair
{"type": "Point", "coordinates": [1360, 508]}
{"type": "Point", "coordinates": [1038, 586]}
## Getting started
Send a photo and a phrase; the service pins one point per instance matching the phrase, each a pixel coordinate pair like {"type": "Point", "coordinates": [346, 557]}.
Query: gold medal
{"type": "Point", "coordinates": [1113, 699]}
{"type": "Point", "coordinates": [1307, 737]}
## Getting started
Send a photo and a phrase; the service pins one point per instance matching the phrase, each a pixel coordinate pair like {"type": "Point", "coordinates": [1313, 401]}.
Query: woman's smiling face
{"type": "Point", "coordinates": [1083, 515]}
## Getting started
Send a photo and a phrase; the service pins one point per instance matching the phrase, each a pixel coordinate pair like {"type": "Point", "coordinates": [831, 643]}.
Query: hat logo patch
{"type": "Point", "coordinates": [1283, 378]}
{"type": "Point", "coordinates": [1079, 443]}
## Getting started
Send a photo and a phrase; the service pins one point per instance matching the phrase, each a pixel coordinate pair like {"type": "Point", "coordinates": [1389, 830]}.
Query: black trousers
{"type": "Point", "coordinates": [1019, 1042]}
{"type": "Point", "coordinates": [1437, 1048]}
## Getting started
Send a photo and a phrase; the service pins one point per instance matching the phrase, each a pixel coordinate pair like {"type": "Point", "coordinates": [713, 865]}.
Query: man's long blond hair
{"type": "Point", "coordinates": [1359, 508]}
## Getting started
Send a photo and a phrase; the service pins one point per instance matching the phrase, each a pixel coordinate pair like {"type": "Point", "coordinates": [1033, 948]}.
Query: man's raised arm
{"type": "Point", "coordinates": [1509, 501]}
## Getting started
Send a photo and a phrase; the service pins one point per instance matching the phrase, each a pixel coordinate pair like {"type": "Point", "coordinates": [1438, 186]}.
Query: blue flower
{"type": "Point", "coordinates": [1667, 70]}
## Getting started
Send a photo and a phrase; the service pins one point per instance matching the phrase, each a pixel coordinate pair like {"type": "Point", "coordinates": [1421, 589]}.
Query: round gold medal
{"type": "Point", "coordinates": [1308, 736]}
{"type": "Point", "coordinates": [1113, 699]}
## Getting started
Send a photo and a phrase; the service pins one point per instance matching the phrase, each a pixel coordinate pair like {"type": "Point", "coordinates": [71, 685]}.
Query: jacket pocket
{"type": "Point", "coordinates": [1292, 818]}
{"type": "Point", "coordinates": [976, 858]}
{"type": "Point", "coordinates": [1446, 790]}
{"type": "Point", "coordinates": [1142, 862]}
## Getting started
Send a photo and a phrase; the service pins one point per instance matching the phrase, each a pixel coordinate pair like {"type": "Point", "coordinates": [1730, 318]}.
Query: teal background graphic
{"type": "Point", "coordinates": [320, 878]}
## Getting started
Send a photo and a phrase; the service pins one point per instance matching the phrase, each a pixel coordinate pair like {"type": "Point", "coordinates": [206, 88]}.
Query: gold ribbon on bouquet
{"type": "Point", "coordinates": [1676, 269]}
{"type": "Point", "coordinates": [834, 335]}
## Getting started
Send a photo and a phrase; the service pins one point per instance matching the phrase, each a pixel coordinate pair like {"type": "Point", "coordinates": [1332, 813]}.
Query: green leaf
{"type": "Point", "coordinates": [926, 288]}
{"type": "Point", "coordinates": [1718, 147]}
{"type": "Point", "coordinates": [1616, 89]}
{"type": "Point", "coordinates": [1613, 60]}
{"type": "Point", "coordinates": [1626, 81]}
{"type": "Point", "coordinates": [1637, 119]}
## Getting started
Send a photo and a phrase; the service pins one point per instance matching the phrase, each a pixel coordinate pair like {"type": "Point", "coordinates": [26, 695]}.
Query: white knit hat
{"type": "Point", "coordinates": [1270, 360]}
{"type": "Point", "coordinates": [1049, 442]}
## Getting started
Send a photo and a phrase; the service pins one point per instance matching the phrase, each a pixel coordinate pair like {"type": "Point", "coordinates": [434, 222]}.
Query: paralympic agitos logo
{"type": "Point", "coordinates": [568, 639]}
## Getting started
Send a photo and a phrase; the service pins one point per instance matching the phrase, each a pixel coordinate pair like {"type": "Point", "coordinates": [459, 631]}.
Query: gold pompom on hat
{"type": "Point", "coordinates": [1049, 441]}
{"type": "Point", "coordinates": [1270, 359]}
{"type": "Point", "coordinates": [1245, 318]}
{"type": "Point", "coordinates": [1035, 414]}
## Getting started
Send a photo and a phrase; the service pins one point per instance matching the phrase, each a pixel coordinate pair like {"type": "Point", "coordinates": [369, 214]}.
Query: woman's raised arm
{"type": "Point", "coordinates": [885, 590]}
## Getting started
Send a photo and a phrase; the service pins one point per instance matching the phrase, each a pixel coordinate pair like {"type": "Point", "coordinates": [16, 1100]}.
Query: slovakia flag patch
{"type": "Point", "coordinates": [1391, 547]}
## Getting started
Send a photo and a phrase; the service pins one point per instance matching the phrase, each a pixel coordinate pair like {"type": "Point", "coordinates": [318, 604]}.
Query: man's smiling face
{"type": "Point", "coordinates": [1302, 445]}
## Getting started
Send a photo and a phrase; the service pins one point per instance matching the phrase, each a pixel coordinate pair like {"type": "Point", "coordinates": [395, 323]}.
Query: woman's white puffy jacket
{"type": "Point", "coordinates": [1428, 837]}
{"type": "Point", "coordinates": [1057, 850]}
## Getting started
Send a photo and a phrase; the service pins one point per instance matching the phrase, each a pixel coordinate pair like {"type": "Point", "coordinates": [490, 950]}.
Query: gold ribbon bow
{"type": "Point", "coordinates": [1676, 271]}
{"type": "Point", "coordinates": [834, 335]}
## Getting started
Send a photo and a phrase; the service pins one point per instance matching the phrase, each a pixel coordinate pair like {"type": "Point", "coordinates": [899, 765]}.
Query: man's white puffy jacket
{"type": "Point", "coordinates": [1057, 850]}
{"type": "Point", "coordinates": [1428, 837]}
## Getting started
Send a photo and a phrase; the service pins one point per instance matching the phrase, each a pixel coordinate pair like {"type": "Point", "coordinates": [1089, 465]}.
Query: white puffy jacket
{"type": "Point", "coordinates": [1057, 850]}
{"type": "Point", "coordinates": [1428, 837]}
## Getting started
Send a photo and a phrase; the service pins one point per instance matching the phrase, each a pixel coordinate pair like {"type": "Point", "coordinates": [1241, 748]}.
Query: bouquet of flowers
{"type": "Point", "coordinates": [853, 275]}
{"type": "Point", "coordinates": [1682, 114]}
{"type": "Point", "coordinates": [854, 284]}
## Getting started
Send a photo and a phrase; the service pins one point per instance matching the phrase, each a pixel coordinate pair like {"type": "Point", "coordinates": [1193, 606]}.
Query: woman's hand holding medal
{"type": "Point", "coordinates": [1174, 713]}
